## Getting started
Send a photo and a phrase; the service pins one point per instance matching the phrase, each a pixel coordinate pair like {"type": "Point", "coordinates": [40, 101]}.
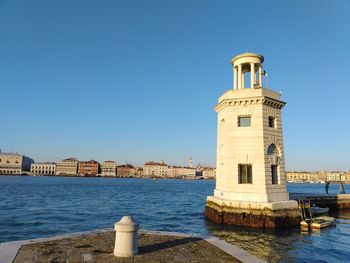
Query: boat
{"type": "Point", "coordinates": [319, 210]}
{"type": "Point", "coordinates": [317, 223]}
{"type": "Point", "coordinates": [322, 222]}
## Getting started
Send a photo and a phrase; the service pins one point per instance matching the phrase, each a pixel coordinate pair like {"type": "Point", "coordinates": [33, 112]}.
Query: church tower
{"type": "Point", "coordinates": [190, 164]}
{"type": "Point", "coordinates": [250, 177]}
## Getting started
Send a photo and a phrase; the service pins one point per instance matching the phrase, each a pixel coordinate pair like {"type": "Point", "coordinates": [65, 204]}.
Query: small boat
{"type": "Point", "coordinates": [322, 222]}
{"type": "Point", "coordinates": [317, 223]}
{"type": "Point", "coordinates": [319, 210]}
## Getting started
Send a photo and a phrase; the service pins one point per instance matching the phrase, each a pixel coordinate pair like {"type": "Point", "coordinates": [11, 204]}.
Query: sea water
{"type": "Point", "coordinates": [32, 207]}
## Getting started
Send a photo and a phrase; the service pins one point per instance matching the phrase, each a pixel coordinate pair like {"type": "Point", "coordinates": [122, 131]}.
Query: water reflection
{"type": "Point", "coordinates": [262, 243]}
{"type": "Point", "coordinates": [294, 245]}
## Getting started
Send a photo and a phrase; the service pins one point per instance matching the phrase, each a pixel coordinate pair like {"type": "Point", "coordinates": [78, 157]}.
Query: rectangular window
{"type": "Point", "coordinates": [274, 174]}
{"type": "Point", "coordinates": [245, 175]}
{"type": "Point", "coordinates": [272, 122]}
{"type": "Point", "coordinates": [244, 121]}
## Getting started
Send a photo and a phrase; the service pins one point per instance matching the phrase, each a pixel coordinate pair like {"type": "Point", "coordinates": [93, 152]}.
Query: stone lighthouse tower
{"type": "Point", "coordinates": [250, 176]}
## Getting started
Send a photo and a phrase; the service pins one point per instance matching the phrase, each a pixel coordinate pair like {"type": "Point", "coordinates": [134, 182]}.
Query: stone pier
{"type": "Point", "coordinates": [97, 246]}
{"type": "Point", "coordinates": [335, 203]}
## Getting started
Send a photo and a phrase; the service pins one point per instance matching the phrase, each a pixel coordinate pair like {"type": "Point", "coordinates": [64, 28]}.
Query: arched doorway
{"type": "Point", "coordinates": [274, 156]}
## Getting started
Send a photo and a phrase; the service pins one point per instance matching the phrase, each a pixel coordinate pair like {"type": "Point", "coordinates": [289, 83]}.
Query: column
{"type": "Point", "coordinates": [239, 82]}
{"type": "Point", "coordinates": [243, 84]}
{"type": "Point", "coordinates": [260, 76]}
{"type": "Point", "coordinates": [252, 75]}
{"type": "Point", "coordinates": [235, 77]}
{"type": "Point", "coordinates": [236, 81]}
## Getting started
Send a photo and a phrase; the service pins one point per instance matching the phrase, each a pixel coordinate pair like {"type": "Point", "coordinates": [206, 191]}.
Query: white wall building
{"type": "Point", "coordinates": [67, 167]}
{"type": "Point", "coordinates": [180, 172]}
{"type": "Point", "coordinates": [14, 163]}
{"type": "Point", "coordinates": [209, 172]}
{"type": "Point", "coordinates": [155, 169]}
{"type": "Point", "coordinates": [108, 168]}
{"type": "Point", "coordinates": [43, 169]}
{"type": "Point", "coordinates": [336, 177]}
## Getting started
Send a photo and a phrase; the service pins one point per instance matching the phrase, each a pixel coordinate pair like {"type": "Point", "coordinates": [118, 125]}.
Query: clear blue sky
{"type": "Point", "coordinates": [137, 80]}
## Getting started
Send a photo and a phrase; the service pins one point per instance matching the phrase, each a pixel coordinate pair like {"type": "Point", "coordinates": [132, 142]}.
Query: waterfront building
{"type": "Point", "coordinates": [88, 168]}
{"type": "Point", "coordinates": [108, 168]}
{"type": "Point", "coordinates": [336, 176]}
{"type": "Point", "coordinates": [43, 168]}
{"type": "Point", "coordinates": [209, 173]}
{"type": "Point", "coordinates": [155, 169]}
{"type": "Point", "coordinates": [14, 163]}
{"type": "Point", "coordinates": [67, 167]}
{"type": "Point", "coordinates": [347, 176]}
{"type": "Point", "coordinates": [180, 172]}
{"type": "Point", "coordinates": [319, 176]}
{"type": "Point", "coordinates": [137, 171]}
{"type": "Point", "coordinates": [125, 170]}
{"type": "Point", "coordinates": [250, 177]}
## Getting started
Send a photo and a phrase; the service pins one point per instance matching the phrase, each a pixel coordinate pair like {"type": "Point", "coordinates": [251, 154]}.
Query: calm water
{"type": "Point", "coordinates": [33, 207]}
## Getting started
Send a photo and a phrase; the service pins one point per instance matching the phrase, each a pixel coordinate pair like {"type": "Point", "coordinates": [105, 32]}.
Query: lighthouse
{"type": "Point", "coordinates": [250, 177]}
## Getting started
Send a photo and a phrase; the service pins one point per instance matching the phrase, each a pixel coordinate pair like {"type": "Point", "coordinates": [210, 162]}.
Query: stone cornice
{"type": "Point", "coordinates": [248, 101]}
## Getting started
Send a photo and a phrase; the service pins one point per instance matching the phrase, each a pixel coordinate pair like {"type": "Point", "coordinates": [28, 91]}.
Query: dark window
{"type": "Point", "coordinates": [245, 175]}
{"type": "Point", "coordinates": [274, 174]}
{"type": "Point", "coordinates": [244, 121]}
{"type": "Point", "coordinates": [272, 150]}
{"type": "Point", "coordinates": [272, 122]}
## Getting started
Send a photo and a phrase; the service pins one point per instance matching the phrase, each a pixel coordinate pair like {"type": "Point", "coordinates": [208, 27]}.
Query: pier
{"type": "Point", "coordinates": [97, 246]}
{"type": "Point", "coordinates": [335, 203]}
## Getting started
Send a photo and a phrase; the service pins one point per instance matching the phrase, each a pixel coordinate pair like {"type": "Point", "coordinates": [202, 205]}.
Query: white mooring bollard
{"type": "Point", "coordinates": [125, 237]}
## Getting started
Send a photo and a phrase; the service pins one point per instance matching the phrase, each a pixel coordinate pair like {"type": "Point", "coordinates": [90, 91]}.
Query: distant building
{"type": "Point", "coordinates": [306, 176]}
{"type": "Point", "coordinates": [298, 176]}
{"type": "Point", "coordinates": [138, 172]}
{"type": "Point", "coordinates": [89, 168]}
{"type": "Point", "coordinates": [155, 169]}
{"type": "Point", "coordinates": [125, 170]}
{"type": "Point", "coordinates": [43, 169]}
{"type": "Point", "coordinates": [14, 163]}
{"type": "Point", "coordinates": [347, 176]}
{"type": "Point", "coordinates": [336, 176]}
{"type": "Point", "coordinates": [108, 168]}
{"type": "Point", "coordinates": [209, 173]}
{"type": "Point", "coordinates": [180, 172]}
{"type": "Point", "coordinates": [67, 167]}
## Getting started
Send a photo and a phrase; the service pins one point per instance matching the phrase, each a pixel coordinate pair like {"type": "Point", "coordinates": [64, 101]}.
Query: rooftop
{"type": "Point", "coordinates": [151, 163]}
{"type": "Point", "coordinates": [247, 54]}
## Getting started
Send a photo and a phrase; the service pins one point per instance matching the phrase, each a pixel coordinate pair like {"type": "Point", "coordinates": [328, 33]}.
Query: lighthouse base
{"type": "Point", "coordinates": [283, 214]}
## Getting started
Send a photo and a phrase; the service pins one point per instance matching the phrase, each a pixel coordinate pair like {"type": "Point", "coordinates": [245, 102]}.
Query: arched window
{"type": "Point", "coordinates": [272, 150]}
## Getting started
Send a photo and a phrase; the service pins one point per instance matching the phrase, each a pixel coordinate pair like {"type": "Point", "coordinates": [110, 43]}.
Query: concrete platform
{"type": "Point", "coordinates": [97, 246]}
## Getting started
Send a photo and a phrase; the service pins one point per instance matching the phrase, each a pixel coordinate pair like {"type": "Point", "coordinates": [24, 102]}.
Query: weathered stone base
{"type": "Point", "coordinates": [261, 215]}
